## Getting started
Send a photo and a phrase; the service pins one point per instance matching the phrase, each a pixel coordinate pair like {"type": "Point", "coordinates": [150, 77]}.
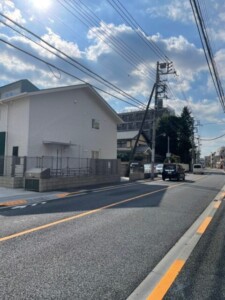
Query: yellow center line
{"type": "Point", "coordinates": [164, 284]}
{"type": "Point", "coordinates": [9, 237]}
{"type": "Point", "coordinates": [204, 225]}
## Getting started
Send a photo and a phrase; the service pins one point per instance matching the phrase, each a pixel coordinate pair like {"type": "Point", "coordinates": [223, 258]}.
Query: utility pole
{"type": "Point", "coordinates": [160, 93]}
{"type": "Point", "coordinates": [198, 141]}
{"type": "Point", "coordinates": [140, 129]}
{"type": "Point", "coordinates": [154, 122]}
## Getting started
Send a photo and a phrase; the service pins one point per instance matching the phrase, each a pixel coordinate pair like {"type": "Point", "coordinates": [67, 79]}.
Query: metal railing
{"type": "Point", "coordinates": [59, 166]}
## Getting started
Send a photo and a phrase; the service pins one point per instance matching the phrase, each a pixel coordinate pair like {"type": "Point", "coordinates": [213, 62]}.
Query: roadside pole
{"type": "Point", "coordinates": [165, 68]}
{"type": "Point", "coordinates": [154, 123]}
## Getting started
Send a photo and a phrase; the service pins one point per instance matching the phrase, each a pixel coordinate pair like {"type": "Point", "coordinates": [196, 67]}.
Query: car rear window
{"type": "Point", "coordinates": [197, 166]}
{"type": "Point", "coordinates": [170, 167]}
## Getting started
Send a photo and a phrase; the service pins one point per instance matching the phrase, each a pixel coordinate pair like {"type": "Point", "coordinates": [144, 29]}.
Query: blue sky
{"type": "Point", "coordinates": [108, 45]}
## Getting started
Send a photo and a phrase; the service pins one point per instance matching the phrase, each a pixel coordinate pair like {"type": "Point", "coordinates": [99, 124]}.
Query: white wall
{"type": "Point", "coordinates": [14, 121]}
{"type": "Point", "coordinates": [3, 116]}
{"type": "Point", "coordinates": [67, 117]}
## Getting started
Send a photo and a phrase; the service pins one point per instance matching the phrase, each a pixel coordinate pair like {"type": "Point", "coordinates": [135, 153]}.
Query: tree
{"type": "Point", "coordinates": [186, 136]}
{"type": "Point", "coordinates": [180, 130]}
{"type": "Point", "coordinates": [167, 127]}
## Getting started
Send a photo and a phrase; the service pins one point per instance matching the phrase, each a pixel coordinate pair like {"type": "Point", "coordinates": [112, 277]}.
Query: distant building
{"type": "Point", "coordinates": [126, 141]}
{"type": "Point", "coordinates": [133, 120]}
{"type": "Point", "coordinates": [16, 88]}
{"type": "Point", "coordinates": [131, 124]}
{"type": "Point", "coordinates": [220, 154]}
{"type": "Point", "coordinates": [216, 159]}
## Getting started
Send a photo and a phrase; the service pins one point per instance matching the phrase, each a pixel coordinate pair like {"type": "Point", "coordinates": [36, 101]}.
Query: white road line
{"type": "Point", "coordinates": [180, 251]}
{"type": "Point", "coordinates": [19, 207]}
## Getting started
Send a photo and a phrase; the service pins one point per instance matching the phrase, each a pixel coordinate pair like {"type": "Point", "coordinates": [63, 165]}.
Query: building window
{"type": "Point", "coordinates": [15, 151]}
{"type": "Point", "coordinates": [95, 124]}
{"type": "Point", "coordinates": [95, 154]}
{"type": "Point", "coordinates": [128, 144]}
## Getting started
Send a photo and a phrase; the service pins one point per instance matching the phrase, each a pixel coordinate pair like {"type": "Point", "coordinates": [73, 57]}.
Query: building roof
{"type": "Point", "coordinates": [16, 88]}
{"type": "Point", "coordinates": [126, 135]}
{"type": "Point", "coordinates": [102, 101]}
{"type": "Point", "coordinates": [143, 149]}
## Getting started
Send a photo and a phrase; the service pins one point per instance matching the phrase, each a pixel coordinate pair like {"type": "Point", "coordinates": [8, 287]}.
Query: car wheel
{"type": "Point", "coordinates": [163, 178]}
{"type": "Point", "coordinates": [178, 177]}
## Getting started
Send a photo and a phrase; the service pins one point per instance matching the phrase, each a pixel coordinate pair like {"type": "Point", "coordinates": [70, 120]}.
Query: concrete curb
{"type": "Point", "coordinates": [179, 252]}
{"type": "Point", "coordinates": [60, 195]}
{"type": "Point", "coordinates": [13, 203]}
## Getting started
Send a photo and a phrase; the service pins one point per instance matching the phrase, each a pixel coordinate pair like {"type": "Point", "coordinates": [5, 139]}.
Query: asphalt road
{"type": "Point", "coordinates": [99, 244]}
{"type": "Point", "coordinates": [203, 276]}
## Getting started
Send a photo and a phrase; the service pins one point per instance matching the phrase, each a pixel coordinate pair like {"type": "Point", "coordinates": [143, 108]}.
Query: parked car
{"type": "Point", "coordinates": [148, 171]}
{"type": "Point", "coordinates": [198, 169]}
{"type": "Point", "coordinates": [136, 164]}
{"type": "Point", "coordinates": [173, 171]}
{"type": "Point", "coordinates": [159, 168]}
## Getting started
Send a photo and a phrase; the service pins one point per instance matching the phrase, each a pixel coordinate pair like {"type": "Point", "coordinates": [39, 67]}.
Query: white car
{"type": "Point", "coordinates": [198, 169]}
{"type": "Point", "coordinates": [159, 168]}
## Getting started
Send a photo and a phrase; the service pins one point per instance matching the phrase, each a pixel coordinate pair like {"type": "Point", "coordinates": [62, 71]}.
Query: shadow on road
{"type": "Point", "coordinates": [127, 196]}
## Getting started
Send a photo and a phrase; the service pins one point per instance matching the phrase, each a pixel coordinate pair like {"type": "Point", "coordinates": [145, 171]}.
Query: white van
{"type": "Point", "coordinates": [198, 169]}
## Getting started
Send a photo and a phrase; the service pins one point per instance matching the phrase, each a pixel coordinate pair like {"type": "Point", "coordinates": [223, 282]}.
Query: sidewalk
{"type": "Point", "coordinates": [14, 197]}
{"type": "Point", "coordinates": [17, 197]}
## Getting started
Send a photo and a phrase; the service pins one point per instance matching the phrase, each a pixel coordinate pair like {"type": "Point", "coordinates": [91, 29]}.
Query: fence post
{"type": "Point", "coordinates": [13, 167]}
{"type": "Point", "coordinates": [24, 165]}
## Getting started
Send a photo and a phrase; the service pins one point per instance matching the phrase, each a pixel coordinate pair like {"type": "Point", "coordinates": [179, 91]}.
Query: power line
{"type": "Point", "coordinates": [109, 33]}
{"type": "Point", "coordinates": [112, 41]}
{"type": "Point", "coordinates": [216, 138]}
{"type": "Point", "coordinates": [208, 50]}
{"type": "Point", "coordinates": [63, 71]}
{"type": "Point", "coordinates": [78, 65]}
{"type": "Point", "coordinates": [123, 12]}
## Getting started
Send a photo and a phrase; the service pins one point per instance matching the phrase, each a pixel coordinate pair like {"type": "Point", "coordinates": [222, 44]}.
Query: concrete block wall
{"type": "Point", "coordinates": [12, 182]}
{"type": "Point", "coordinates": [74, 182]}
{"type": "Point", "coordinates": [136, 176]}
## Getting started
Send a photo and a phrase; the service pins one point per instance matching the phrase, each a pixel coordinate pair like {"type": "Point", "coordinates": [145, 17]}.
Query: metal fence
{"type": "Point", "coordinates": [59, 166]}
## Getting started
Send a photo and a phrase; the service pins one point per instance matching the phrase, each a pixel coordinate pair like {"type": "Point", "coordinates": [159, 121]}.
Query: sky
{"type": "Point", "coordinates": [115, 46]}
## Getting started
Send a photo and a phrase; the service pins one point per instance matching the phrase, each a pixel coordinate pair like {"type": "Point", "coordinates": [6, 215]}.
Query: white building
{"type": "Point", "coordinates": [67, 121]}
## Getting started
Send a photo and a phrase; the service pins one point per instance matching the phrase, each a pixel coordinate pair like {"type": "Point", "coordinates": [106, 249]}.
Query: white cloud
{"type": "Point", "coordinates": [220, 61]}
{"type": "Point", "coordinates": [205, 110]}
{"type": "Point", "coordinates": [188, 60]}
{"type": "Point", "coordinates": [67, 47]}
{"type": "Point", "coordinates": [177, 11]}
{"type": "Point", "coordinates": [9, 9]}
{"type": "Point", "coordinates": [14, 64]}
{"type": "Point", "coordinates": [99, 57]}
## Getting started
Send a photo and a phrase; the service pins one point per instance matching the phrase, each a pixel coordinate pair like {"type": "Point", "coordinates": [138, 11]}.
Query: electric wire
{"type": "Point", "coordinates": [111, 43]}
{"type": "Point", "coordinates": [81, 7]}
{"type": "Point", "coordinates": [63, 71]}
{"type": "Point", "coordinates": [99, 78]}
{"type": "Point", "coordinates": [216, 138]}
{"type": "Point", "coordinates": [129, 19]}
{"type": "Point", "coordinates": [208, 50]}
